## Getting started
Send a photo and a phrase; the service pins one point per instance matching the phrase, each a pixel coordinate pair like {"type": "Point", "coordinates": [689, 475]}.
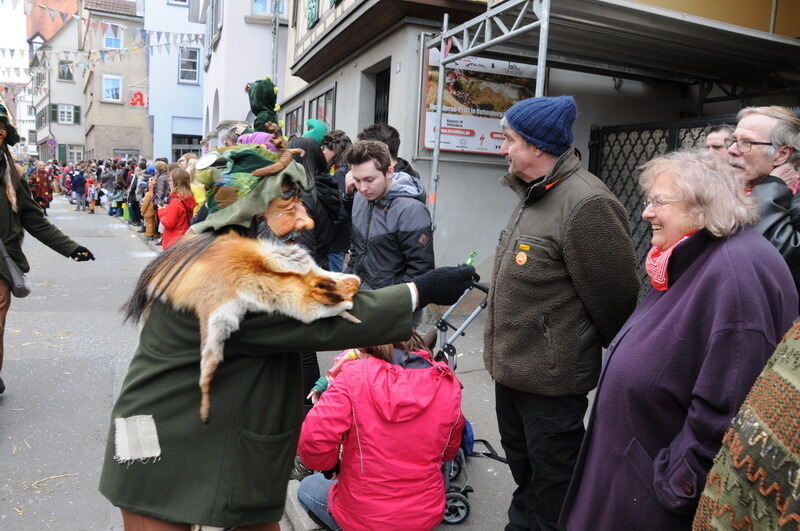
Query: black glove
{"type": "Point", "coordinates": [81, 254]}
{"type": "Point", "coordinates": [444, 285]}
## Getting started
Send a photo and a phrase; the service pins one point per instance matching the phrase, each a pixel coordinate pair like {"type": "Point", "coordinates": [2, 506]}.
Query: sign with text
{"type": "Point", "coordinates": [477, 92]}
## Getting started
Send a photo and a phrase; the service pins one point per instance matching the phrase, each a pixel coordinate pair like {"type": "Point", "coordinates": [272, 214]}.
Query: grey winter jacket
{"type": "Point", "coordinates": [564, 282]}
{"type": "Point", "coordinates": [392, 238]}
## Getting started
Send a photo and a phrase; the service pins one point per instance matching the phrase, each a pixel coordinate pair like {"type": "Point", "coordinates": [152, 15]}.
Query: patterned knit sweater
{"type": "Point", "coordinates": [755, 481]}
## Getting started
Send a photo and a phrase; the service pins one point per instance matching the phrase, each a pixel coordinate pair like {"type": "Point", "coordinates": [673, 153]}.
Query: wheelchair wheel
{"type": "Point", "coordinates": [456, 508]}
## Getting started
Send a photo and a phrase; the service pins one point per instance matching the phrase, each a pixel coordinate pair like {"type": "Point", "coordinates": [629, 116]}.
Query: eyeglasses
{"type": "Point", "coordinates": [658, 201]}
{"type": "Point", "coordinates": [744, 145]}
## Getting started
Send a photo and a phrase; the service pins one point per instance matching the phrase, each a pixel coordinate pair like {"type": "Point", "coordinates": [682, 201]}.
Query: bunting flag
{"type": "Point", "coordinates": [64, 16]}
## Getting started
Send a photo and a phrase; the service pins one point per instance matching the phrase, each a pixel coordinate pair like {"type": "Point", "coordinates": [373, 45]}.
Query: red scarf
{"type": "Point", "coordinates": [658, 261]}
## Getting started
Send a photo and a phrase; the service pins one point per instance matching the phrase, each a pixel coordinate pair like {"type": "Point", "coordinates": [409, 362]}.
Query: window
{"type": "Point", "coordinates": [312, 13]}
{"type": "Point", "coordinates": [112, 88]}
{"type": "Point", "coordinates": [65, 114]}
{"type": "Point", "coordinates": [40, 80]}
{"type": "Point", "coordinates": [41, 118]}
{"type": "Point", "coordinates": [264, 7]}
{"type": "Point", "coordinates": [294, 122]}
{"type": "Point", "coordinates": [188, 71]}
{"type": "Point", "coordinates": [322, 108]}
{"type": "Point", "coordinates": [31, 110]}
{"type": "Point", "coordinates": [31, 136]}
{"type": "Point", "coordinates": [75, 154]}
{"type": "Point", "coordinates": [112, 38]}
{"type": "Point", "coordinates": [178, 2]}
{"type": "Point", "coordinates": [64, 73]}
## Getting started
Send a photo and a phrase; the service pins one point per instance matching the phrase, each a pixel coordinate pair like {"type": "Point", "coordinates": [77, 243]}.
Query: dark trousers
{"type": "Point", "coordinates": [541, 437]}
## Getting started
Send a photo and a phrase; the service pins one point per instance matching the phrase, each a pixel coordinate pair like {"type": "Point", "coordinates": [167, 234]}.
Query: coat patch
{"type": "Point", "coordinates": [521, 258]}
{"type": "Point", "coordinates": [136, 439]}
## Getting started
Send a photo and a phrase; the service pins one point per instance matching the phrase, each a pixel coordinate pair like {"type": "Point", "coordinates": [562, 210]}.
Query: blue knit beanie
{"type": "Point", "coordinates": [544, 122]}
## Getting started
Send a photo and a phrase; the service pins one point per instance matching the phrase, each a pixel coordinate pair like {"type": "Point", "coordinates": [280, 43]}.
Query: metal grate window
{"type": "Point", "coordinates": [382, 82]}
{"type": "Point", "coordinates": [617, 152]}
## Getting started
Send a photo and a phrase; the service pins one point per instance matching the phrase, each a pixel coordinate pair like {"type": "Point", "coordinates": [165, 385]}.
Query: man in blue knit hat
{"type": "Point", "coordinates": [564, 282]}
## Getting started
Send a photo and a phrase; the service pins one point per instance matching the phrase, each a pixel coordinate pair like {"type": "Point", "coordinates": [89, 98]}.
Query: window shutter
{"type": "Point", "coordinates": [76, 114]}
{"type": "Point", "coordinates": [62, 152]}
{"type": "Point", "coordinates": [53, 113]}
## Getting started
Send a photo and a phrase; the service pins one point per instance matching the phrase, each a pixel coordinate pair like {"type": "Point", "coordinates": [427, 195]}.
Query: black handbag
{"type": "Point", "coordinates": [19, 284]}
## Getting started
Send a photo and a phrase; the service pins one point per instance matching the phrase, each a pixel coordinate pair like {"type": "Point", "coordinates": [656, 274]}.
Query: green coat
{"type": "Point", "coordinates": [233, 470]}
{"type": "Point", "coordinates": [28, 218]}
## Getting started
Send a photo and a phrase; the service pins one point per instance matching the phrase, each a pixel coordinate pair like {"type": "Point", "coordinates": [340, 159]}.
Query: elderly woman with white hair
{"type": "Point", "coordinates": [680, 367]}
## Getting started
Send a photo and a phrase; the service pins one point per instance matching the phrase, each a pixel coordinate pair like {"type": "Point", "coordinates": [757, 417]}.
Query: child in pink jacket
{"type": "Point", "coordinates": [394, 417]}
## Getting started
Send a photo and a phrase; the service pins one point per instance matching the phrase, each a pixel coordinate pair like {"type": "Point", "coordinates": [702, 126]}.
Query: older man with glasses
{"type": "Point", "coordinates": [767, 138]}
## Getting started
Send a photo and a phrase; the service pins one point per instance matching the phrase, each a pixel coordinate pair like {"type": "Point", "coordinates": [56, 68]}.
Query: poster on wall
{"type": "Point", "coordinates": [477, 92]}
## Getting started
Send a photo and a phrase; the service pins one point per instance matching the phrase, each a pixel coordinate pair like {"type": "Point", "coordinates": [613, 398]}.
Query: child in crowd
{"type": "Point", "coordinates": [92, 187]}
{"type": "Point", "coordinates": [400, 394]}
{"type": "Point", "coordinates": [149, 211]}
{"type": "Point", "coordinates": [178, 212]}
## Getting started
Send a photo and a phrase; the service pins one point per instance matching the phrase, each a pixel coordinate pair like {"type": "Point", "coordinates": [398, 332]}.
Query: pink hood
{"type": "Point", "coordinates": [395, 425]}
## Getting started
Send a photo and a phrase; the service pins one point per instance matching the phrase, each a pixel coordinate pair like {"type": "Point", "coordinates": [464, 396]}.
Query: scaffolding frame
{"type": "Point", "coordinates": [477, 34]}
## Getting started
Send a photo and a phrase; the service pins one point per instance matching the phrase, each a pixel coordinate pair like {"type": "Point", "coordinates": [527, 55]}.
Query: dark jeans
{"type": "Point", "coordinates": [136, 215]}
{"type": "Point", "coordinates": [541, 436]}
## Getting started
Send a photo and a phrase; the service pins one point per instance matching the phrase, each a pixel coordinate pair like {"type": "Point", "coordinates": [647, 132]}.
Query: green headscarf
{"type": "Point", "coordinates": [253, 195]}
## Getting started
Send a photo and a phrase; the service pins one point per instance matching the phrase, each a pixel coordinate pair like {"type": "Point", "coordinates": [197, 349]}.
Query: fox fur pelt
{"type": "Point", "coordinates": [222, 277]}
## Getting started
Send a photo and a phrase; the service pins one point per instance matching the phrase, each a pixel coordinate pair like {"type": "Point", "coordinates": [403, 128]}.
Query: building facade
{"type": "Point", "coordinates": [116, 85]}
{"type": "Point", "coordinates": [175, 101]}
{"type": "Point", "coordinates": [352, 63]}
{"type": "Point", "coordinates": [242, 45]}
{"type": "Point", "coordinates": [58, 100]}
{"type": "Point", "coordinates": [14, 77]}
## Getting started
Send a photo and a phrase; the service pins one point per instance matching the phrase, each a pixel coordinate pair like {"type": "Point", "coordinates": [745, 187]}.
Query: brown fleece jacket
{"type": "Point", "coordinates": [564, 282]}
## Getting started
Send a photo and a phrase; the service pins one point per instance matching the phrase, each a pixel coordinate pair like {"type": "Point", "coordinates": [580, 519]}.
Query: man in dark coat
{"type": "Point", "coordinates": [766, 138]}
{"type": "Point", "coordinates": [19, 213]}
{"type": "Point", "coordinates": [564, 282]}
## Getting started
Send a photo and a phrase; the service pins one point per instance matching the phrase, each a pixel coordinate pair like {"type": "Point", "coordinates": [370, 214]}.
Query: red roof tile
{"type": "Point", "coordinates": [118, 7]}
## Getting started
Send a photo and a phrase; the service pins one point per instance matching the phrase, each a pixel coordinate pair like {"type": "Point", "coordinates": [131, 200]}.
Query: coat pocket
{"type": "Point", "coordinates": [261, 470]}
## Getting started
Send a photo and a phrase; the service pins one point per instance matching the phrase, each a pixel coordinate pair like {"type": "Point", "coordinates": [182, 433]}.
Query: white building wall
{"type": "Point", "coordinates": [62, 92]}
{"type": "Point", "coordinates": [172, 102]}
{"type": "Point", "coordinates": [472, 207]}
{"type": "Point", "coordinates": [13, 36]}
{"type": "Point", "coordinates": [243, 54]}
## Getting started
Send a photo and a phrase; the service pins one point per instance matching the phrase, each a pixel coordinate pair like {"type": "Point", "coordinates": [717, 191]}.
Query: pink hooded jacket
{"type": "Point", "coordinates": [396, 426]}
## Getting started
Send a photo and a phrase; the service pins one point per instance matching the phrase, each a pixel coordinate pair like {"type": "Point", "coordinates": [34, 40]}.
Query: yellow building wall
{"type": "Point", "coordinates": [753, 14]}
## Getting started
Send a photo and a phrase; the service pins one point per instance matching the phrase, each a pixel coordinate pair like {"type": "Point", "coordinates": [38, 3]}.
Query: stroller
{"type": "Point", "coordinates": [456, 502]}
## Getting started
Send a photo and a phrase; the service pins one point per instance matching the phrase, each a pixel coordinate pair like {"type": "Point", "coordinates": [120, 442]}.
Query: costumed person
{"type": "Point", "coordinates": [316, 130]}
{"type": "Point", "coordinates": [179, 210]}
{"type": "Point", "coordinates": [41, 187]}
{"type": "Point", "coordinates": [19, 213]}
{"type": "Point", "coordinates": [679, 368]}
{"type": "Point", "coordinates": [362, 425]}
{"type": "Point", "coordinates": [164, 467]}
{"type": "Point", "coordinates": [149, 210]}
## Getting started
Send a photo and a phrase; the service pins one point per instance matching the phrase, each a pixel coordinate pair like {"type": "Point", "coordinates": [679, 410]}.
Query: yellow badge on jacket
{"type": "Point", "coordinates": [521, 258]}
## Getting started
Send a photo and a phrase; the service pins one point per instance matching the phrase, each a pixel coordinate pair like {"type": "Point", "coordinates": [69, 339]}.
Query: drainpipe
{"type": "Point", "coordinates": [773, 16]}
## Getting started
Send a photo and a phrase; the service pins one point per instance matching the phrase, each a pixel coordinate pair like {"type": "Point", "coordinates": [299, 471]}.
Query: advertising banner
{"type": "Point", "coordinates": [477, 92]}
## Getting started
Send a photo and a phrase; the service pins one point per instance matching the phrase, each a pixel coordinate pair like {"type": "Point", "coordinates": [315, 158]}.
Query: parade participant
{"type": "Point", "coordinates": [41, 187]}
{"type": "Point", "coordinates": [165, 468]}
{"type": "Point", "coordinates": [680, 367]}
{"type": "Point", "coordinates": [18, 213]}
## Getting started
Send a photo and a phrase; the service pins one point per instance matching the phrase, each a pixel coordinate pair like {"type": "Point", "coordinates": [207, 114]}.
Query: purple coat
{"type": "Point", "coordinates": [675, 375]}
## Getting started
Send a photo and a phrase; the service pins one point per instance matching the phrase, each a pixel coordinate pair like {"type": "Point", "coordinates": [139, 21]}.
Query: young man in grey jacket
{"type": "Point", "coordinates": [563, 284]}
{"type": "Point", "coordinates": [392, 240]}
